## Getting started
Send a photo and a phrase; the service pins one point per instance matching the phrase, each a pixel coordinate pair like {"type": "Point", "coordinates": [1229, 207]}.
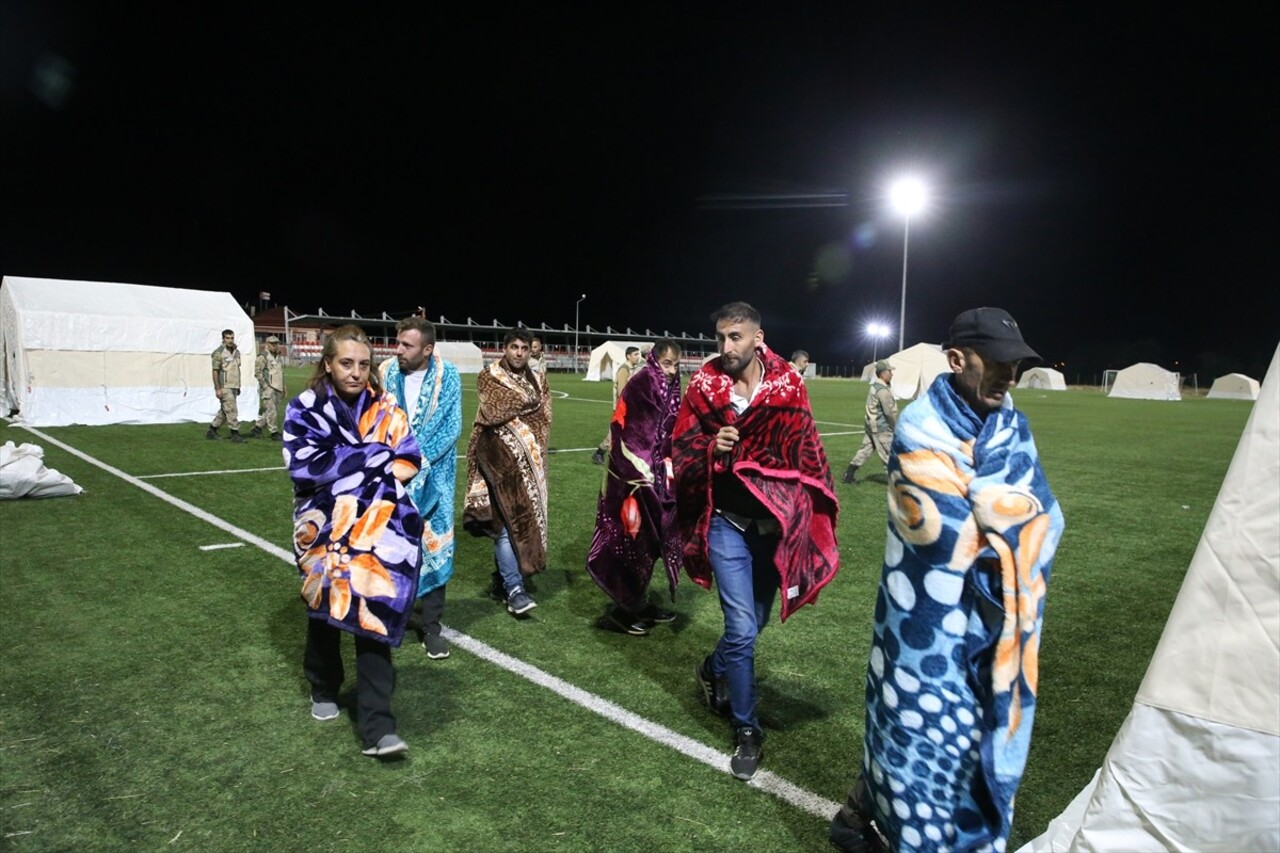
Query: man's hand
{"type": "Point", "coordinates": [726, 440]}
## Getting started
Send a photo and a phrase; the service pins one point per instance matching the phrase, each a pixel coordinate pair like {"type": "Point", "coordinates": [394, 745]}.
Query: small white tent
{"type": "Point", "coordinates": [914, 369]}
{"type": "Point", "coordinates": [464, 355]}
{"type": "Point", "coordinates": [1196, 765]}
{"type": "Point", "coordinates": [91, 352]}
{"type": "Point", "coordinates": [1145, 381]}
{"type": "Point", "coordinates": [608, 357]}
{"type": "Point", "coordinates": [1234, 386]}
{"type": "Point", "coordinates": [1043, 378]}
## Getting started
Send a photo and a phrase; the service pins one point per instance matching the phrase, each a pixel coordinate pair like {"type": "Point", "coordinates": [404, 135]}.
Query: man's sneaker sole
{"type": "Point", "coordinates": [522, 608]}
{"type": "Point", "coordinates": [440, 650]}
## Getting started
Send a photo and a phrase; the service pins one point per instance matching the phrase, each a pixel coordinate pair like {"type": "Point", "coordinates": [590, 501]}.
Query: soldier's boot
{"type": "Point", "coordinates": [212, 434]}
{"type": "Point", "coordinates": [236, 437]}
{"type": "Point", "coordinates": [275, 436]}
{"type": "Point", "coordinates": [256, 432]}
{"type": "Point", "coordinates": [849, 475]}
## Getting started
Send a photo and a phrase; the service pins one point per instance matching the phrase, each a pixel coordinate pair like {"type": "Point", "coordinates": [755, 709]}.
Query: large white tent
{"type": "Point", "coordinates": [608, 357]}
{"type": "Point", "coordinates": [1145, 381]}
{"type": "Point", "coordinates": [1196, 765]}
{"type": "Point", "coordinates": [1043, 378]}
{"type": "Point", "coordinates": [914, 368]}
{"type": "Point", "coordinates": [1234, 386]}
{"type": "Point", "coordinates": [92, 352]}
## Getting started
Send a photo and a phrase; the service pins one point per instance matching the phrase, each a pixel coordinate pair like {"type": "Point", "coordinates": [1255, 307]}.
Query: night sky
{"type": "Point", "coordinates": [1105, 172]}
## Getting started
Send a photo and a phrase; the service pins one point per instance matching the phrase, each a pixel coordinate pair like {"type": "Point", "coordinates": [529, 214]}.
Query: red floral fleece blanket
{"type": "Point", "coordinates": [779, 459]}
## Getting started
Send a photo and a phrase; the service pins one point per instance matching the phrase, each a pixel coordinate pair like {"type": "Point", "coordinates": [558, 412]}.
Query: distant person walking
{"type": "Point", "coordinates": [226, 385]}
{"type": "Point", "coordinates": [429, 389]}
{"type": "Point", "coordinates": [356, 534]}
{"type": "Point", "coordinates": [636, 512]}
{"type": "Point", "coordinates": [755, 507]}
{"type": "Point", "coordinates": [507, 469]}
{"type": "Point", "coordinates": [268, 368]}
{"type": "Point", "coordinates": [879, 419]}
{"type": "Point", "coordinates": [537, 358]}
{"type": "Point", "coordinates": [620, 379]}
{"type": "Point", "coordinates": [800, 361]}
{"type": "Point", "coordinates": [952, 680]}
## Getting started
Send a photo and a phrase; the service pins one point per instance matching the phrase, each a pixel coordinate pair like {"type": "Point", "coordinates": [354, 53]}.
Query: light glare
{"type": "Point", "coordinates": [907, 196]}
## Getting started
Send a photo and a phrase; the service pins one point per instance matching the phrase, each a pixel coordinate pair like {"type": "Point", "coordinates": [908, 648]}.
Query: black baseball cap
{"type": "Point", "coordinates": [993, 333]}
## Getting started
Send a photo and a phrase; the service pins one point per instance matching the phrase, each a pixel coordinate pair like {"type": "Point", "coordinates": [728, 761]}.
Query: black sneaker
{"type": "Point", "coordinates": [598, 457]}
{"type": "Point", "coordinates": [628, 623]}
{"type": "Point", "coordinates": [747, 752]}
{"type": "Point", "coordinates": [437, 648]}
{"type": "Point", "coordinates": [520, 602]}
{"type": "Point", "coordinates": [851, 832]}
{"type": "Point", "coordinates": [256, 432]}
{"type": "Point", "coordinates": [715, 691]}
{"type": "Point", "coordinates": [212, 434]}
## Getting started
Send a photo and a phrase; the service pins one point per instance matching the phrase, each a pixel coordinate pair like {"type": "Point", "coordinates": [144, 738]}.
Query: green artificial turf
{"type": "Point", "coordinates": [151, 694]}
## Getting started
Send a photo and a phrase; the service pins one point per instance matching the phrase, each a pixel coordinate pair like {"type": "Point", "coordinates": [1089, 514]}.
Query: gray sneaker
{"type": "Point", "coordinates": [436, 647]}
{"type": "Point", "coordinates": [387, 746]}
{"type": "Point", "coordinates": [323, 710]}
{"type": "Point", "coordinates": [520, 602]}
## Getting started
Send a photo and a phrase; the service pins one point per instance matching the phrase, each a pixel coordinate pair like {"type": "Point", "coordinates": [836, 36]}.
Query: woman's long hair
{"type": "Point", "coordinates": [320, 377]}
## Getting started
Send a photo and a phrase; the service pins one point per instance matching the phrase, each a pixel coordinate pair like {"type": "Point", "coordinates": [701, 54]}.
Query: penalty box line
{"type": "Point", "coordinates": [771, 783]}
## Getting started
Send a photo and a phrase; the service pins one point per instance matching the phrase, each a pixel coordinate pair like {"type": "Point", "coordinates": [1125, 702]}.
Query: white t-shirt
{"type": "Point", "coordinates": [412, 389]}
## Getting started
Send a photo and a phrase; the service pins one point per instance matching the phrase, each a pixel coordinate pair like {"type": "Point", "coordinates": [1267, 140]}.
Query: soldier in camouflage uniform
{"type": "Point", "coordinates": [268, 369]}
{"type": "Point", "coordinates": [226, 384]}
{"type": "Point", "coordinates": [880, 419]}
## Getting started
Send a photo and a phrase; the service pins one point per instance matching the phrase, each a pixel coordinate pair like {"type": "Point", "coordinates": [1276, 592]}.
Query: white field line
{"type": "Point", "coordinates": [763, 780]}
{"type": "Point", "coordinates": [203, 473]}
{"type": "Point", "coordinates": [222, 545]}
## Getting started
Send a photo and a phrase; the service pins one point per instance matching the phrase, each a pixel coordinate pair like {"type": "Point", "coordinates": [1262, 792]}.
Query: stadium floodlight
{"type": "Point", "coordinates": [908, 196]}
{"type": "Point", "coordinates": [876, 331]}
{"type": "Point", "coordinates": [575, 332]}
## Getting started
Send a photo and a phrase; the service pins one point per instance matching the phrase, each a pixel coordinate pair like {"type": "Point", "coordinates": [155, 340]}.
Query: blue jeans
{"type": "Point", "coordinates": [747, 580]}
{"type": "Point", "coordinates": [508, 566]}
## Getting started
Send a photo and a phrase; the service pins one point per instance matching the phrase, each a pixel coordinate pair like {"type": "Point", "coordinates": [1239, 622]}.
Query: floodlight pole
{"type": "Point", "coordinates": [576, 351]}
{"type": "Point", "coordinates": [902, 314]}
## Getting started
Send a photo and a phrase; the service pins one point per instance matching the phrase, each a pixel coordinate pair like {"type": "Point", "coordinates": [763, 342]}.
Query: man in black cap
{"type": "Point", "coordinates": [953, 673]}
{"type": "Point", "coordinates": [878, 422]}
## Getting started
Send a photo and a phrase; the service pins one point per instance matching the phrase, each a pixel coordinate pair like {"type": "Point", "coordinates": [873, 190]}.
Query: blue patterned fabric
{"type": "Point", "coordinates": [951, 683]}
{"type": "Point", "coordinates": [356, 535]}
{"type": "Point", "coordinates": [436, 424]}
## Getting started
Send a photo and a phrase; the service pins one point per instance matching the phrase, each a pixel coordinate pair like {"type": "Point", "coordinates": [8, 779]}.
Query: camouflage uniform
{"type": "Point", "coordinates": [880, 419]}
{"type": "Point", "coordinates": [268, 369]}
{"type": "Point", "coordinates": [226, 365]}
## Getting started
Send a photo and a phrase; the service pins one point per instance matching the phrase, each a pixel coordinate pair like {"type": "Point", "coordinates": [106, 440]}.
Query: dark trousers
{"type": "Point", "coordinates": [432, 610]}
{"type": "Point", "coordinates": [375, 677]}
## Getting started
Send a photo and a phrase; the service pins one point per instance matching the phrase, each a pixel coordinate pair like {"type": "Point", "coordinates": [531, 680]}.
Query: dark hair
{"type": "Point", "coordinates": [535, 339]}
{"type": "Point", "coordinates": [632, 349]}
{"type": "Point", "coordinates": [662, 346]}
{"type": "Point", "coordinates": [343, 333]}
{"type": "Point", "coordinates": [230, 332]}
{"type": "Point", "coordinates": [424, 326]}
{"type": "Point", "coordinates": [738, 312]}
{"type": "Point", "coordinates": [519, 333]}
{"type": "Point", "coordinates": [798, 353]}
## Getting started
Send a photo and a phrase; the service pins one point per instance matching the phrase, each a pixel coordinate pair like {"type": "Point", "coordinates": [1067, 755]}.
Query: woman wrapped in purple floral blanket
{"type": "Point", "coordinates": [357, 536]}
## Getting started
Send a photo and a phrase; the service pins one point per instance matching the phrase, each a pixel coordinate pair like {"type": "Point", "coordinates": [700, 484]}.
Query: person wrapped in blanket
{"type": "Point", "coordinates": [429, 390]}
{"type": "Point", "coordinates": [755, 507]}
{"type": "Point", "coordinates": [954, 668]}
{"type": "Point", "coordinates": [506, 496]}
{"type": "Point", "coordinates": [636, 511]}
{"type": "Point", "coordinates": [357, 536]}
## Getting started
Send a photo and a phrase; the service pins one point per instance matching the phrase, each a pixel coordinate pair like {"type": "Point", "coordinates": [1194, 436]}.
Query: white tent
{"type": "Point", "coordinates": [464, 355]}
{"type": "Point", "coordinates": [90, 352]}
{"type": "Point", "coordinates": [1145, 381]}
{"type": "Point", "coordinates": [1043, 378]}
{"type": "Point", "coordinates": [608, 357]}
{"type": "Point", "coordinates": [1234, 386]}
{"type": "Point", "coordinates": [1196, 766]}
{"type": "Point", "coordinates": [914, 369]}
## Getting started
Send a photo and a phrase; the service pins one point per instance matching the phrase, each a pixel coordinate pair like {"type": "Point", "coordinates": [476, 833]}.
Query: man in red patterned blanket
{"type": "Point", "coordinates": [755, 506]}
